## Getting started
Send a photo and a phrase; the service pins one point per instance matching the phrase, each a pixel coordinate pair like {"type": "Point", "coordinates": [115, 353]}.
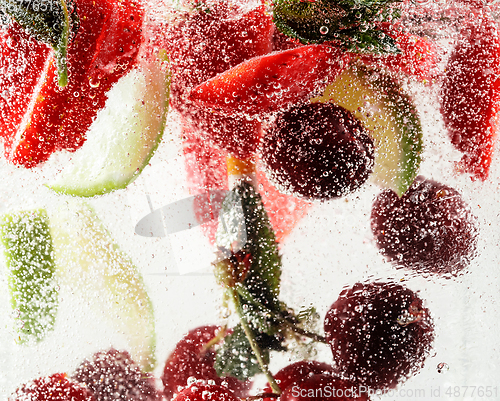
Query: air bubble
{"type": "Point", "coordinates": [323, 30]}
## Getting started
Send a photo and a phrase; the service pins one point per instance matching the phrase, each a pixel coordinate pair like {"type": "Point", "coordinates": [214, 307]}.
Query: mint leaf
{"type": "Point", "coordinates": [263, 278]}
{"type": "Point", "coordinates": [351, 24]}
{"type": "Point", "coordinates": [236, 358]}
{"type": "Point", "coordinates": [48, 21]}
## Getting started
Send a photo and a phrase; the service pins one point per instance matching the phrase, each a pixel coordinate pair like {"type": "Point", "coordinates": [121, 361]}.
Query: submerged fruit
{"type": "Point", "coordinates": [203, 391]}
{"type": "Point", "coordinates": [113, 375]}
{"type": "Point", "coordinates": [52, 388]}
{"type": "Point", "coordinates": [90, 262]}
{"type": "Point", "coordinates": [429, 229]}
{"type": "Point", "coordinates": [208, 40]}
{"type": "Point", "coordinates": [50, 118]}
{"type": "Point", "coordinates": [471, 95]}
{"type": "Point", "coordinates": [379, 102]}
{"type": "Point", "coordinates": [193, 359]}
{"type": "Point", "coordinates": [123, 137]}
{"type": "Point", "coordinates": [31, 277]}
{"type": "Point", "coordinates": [379, 333]}
{"type": "Point", "coordinates": [318, 151]}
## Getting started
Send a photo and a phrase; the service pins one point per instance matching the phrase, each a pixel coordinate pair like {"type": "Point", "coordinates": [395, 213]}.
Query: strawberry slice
{"type": "Point", "coordinates": [22, 63]}
{"type": "Point", "coordinates": [471, 95]}
{"type": "Point", "coordinates": [419, 56]}
{"type": "Point", "coordinates": [51, 118]}
{"type": "Point", "coordinates": [271, 82]}
{"type": "Point", "coordinates": [204, 43]}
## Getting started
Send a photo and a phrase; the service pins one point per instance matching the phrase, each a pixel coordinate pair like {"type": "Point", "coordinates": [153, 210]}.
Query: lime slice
{"type": "Point", "coordinates": [124, 136]}
{"type": "Point", "coordinates": [31, 272]}
{"type": "Point", "coordinates": [379, 102]}
{"type": "Point", "coordinates": [90, 261]}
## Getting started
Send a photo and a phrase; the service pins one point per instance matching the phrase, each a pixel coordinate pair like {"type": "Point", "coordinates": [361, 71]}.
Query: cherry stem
{"type": "Point", "coordinates": [282, 320]}
{"type": "Point", "coordinates": [253, 343]}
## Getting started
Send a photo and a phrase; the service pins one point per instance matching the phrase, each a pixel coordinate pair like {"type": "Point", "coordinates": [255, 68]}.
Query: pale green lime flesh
{"type": "Point", "coordinates": [89, 260]}
{"type": "Point", "coordinates": [31, 275]}
{"type": "Point", "coordinates": [390, 116]}
{"type": "Point", "coordinates": [123, 138]}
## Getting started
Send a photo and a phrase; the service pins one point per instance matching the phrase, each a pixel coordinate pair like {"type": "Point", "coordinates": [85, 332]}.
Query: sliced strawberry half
{"type": "Point", "coordinates": [51, 118]}
{"type": "Point", "coordinates": [271, 82]}
{"type": "Point", "coordinates": [22, 64]}
{"type": "Point", "coordinates": [204, 43]}
{"type": "Point", "coordinates": [471, 95]}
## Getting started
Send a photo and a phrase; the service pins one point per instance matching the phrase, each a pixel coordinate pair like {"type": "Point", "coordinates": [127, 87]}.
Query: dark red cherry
{"type": "Point", "coordinates": [317, 151]}
{"type": "Point", "coordinates": [429, 229]}
{"type": "Point", "coordinates": [379, 333]}
{"type": "Point", "coordinates": [295, 372]}
{"type": "Point", "coordinates": [192, 359]}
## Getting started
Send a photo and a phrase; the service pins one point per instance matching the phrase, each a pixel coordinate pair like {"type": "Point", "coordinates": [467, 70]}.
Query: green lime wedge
{"type": "Point", "coordinates": [389, 114]}
{"type": "Point", "coordinates": [30, 272]}
{"type": "Point", "coordinates": [90, 261]}
{"type": "Point", "coordinates": [123, 138]}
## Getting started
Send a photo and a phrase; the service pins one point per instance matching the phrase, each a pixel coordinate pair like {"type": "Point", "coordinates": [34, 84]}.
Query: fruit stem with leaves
{"type": "Point", "coordinates": [233, 294]}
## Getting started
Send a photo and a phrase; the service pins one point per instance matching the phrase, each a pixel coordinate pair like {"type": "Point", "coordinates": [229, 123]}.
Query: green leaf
{"type": "Point", "coordinates": [351, 24]}
{"type": "Point", "coordinates": [263, 278]}
{"type": "Point", "coordinates": [48, 21]}
{"type": "Point", "coordinates": [236, 358]}
{"type": "Point", "coordinates": [31, 272]}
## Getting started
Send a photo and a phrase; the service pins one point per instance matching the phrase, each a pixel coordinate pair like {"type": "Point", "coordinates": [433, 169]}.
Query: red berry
{"type": "Point", "coordinates": [429, 229]}
{"type": "Point", "coordinates": [471, 94]}
{"type": "Point", "coordinates": [323, 387]}
{"type": "Point", "coordinates": [379, 334]}
{"type": "Point", "coordinates": [191, 359]}
{"type": "Point", "coordinates": [52, 388]}
{"type": "Point", "coordinates": [318, 151]}
{"type": "Point", "coordinates": [112, 375]}
{"type": "Point", "coordinates": [201, 391]}
{"type": "Point", "coordinates": [296, 372]}
{"type": "Point", "coordinates": [209, 40]}
{"type": "Point", "coordinates": [45, 117]}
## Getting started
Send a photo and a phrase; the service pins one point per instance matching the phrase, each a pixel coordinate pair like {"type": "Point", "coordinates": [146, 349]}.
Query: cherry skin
{"type": "Point", "coordinates": [317, 151]}
{"type": "Point", "coordinates": [190, 359]}
{"type": "Point", "coordinates": [295, 372]}
{"type": "Point", "coordinates": [379, 333]}
{"type": "Point", "coordinates": [56, 387]}
{"type": "Point", "coordinates": [202, 391]}
{"type": "Point", "coordinates": [113, 375]}
{"type": "Point", "coordinates": [429, 229]}
{"type": "Point", "coordinates": [324, 387]}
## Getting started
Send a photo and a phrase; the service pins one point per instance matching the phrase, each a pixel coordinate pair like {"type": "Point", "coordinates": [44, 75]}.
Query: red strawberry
{"type": "Point", "coordinates": [418, 58]}
{"type": "Point", "coordinates": [206, 171]}
{"type": "Point", "coordinates": [204, 43]}
{"type": "Point", "coordinates": [53, 388]}
{"type": "Point", "coordinates": [22, 62]}
{"type": "Point", "coordinates": [471, 94]}
{"type": "Point", "coordinates": [271, 82]}
{"type": "Point", "coordinates": [56, 118]}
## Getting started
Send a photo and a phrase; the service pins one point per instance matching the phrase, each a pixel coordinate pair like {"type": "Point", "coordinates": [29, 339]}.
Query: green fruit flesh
{"type": "Point", "coordinates": [31, 272]}
{"type": "Point", "coordinates": [91, 262]}
{"type": "Point", "coordinates": [123, 138]}
{"type": "Point", "coordinates": [390, 116]}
